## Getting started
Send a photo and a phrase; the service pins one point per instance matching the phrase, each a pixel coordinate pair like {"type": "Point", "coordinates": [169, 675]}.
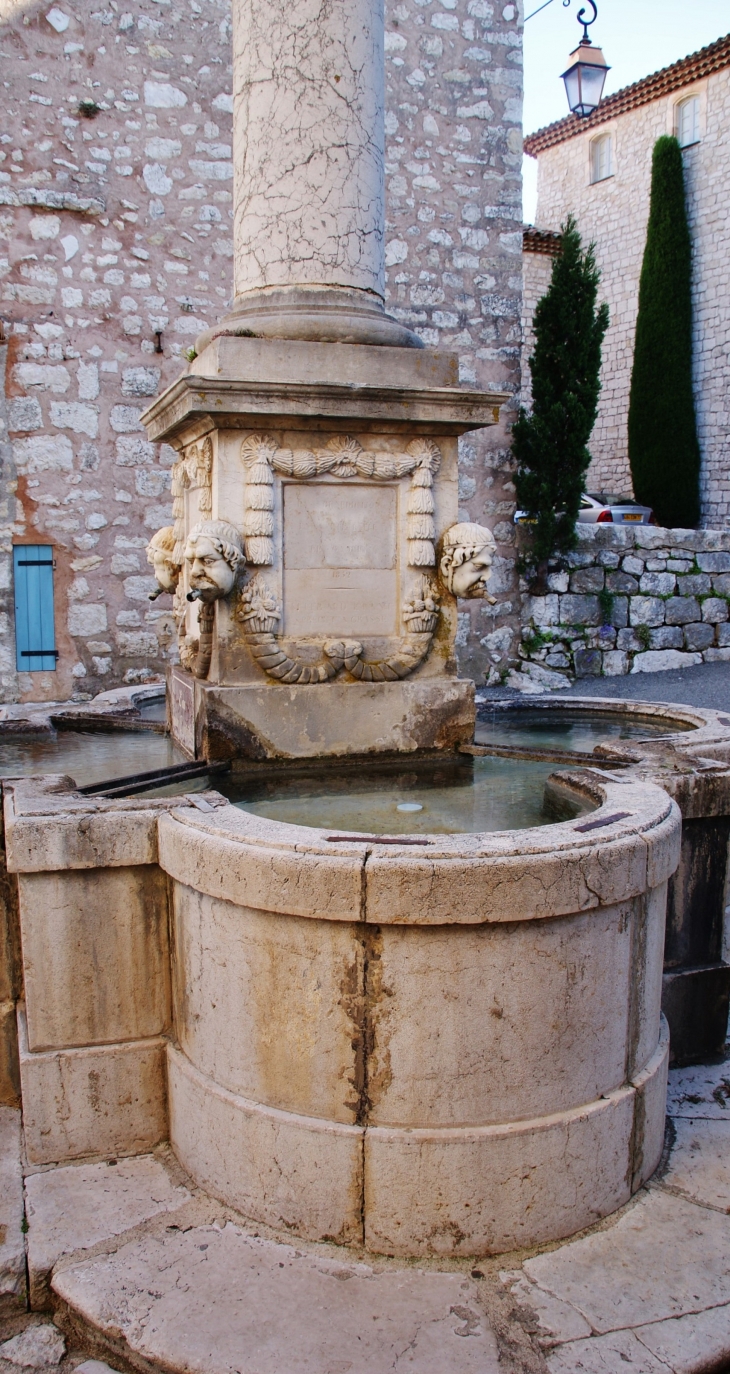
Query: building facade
{"type": "Point", "coordinates": [599, 169]}
{"type": "Point", "coordinates": [115, 252]}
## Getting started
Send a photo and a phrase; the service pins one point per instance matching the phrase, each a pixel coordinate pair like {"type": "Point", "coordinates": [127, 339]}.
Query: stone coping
{"type": "Point", "coordinates": [629, 843]}
{"type": "Point", "coordinates": [385, 409]}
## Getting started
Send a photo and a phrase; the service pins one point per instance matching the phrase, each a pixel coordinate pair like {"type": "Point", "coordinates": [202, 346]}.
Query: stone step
{"type": "Point", "coordinates": [213, 1299]}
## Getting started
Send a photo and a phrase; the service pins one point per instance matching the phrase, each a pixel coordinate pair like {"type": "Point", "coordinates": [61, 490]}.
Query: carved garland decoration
{"type": "Point", "coordinates": [343, 457]}
{"type": "Point", "coordinates": [260, 613]}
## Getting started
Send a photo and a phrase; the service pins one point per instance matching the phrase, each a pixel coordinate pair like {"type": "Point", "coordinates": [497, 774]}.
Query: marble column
{"type": "Point", "coordinates": [308, 151]}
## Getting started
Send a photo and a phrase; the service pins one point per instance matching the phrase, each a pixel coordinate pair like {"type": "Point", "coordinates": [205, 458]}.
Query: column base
{"type": "Point", "coordinates": [327, 314]}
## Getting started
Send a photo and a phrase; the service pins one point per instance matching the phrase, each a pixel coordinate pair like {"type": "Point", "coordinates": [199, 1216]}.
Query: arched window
{"type": "Point", "coordinates": [601, 158]}
{"type": "Point", "coordinates": [687, 121]}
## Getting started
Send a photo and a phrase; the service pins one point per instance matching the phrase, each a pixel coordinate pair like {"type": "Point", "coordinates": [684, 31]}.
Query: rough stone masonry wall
{"type": "Point", "coordinates": [117, 226]}
{"type": "Point", "coordinates": [614, 214]}
{"type": "Point", "coordinates": [636, 601]}
{"type": "Point", "coordinates": [111, 228]}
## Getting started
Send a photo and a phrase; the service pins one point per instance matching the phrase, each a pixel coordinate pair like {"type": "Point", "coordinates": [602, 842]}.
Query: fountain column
{"type": "Point", "coordinates": [315, 497]}
{"type": "Point", "coordinates": [308, 151]}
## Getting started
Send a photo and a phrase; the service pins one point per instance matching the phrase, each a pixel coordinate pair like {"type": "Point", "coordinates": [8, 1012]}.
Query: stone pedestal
{"type": "Point", "coordinates": [332, 468]}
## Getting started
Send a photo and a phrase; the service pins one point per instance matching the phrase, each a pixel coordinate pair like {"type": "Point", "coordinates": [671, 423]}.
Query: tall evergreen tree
{"type": "Point", "coordinates": [550, 443]}
{"type": "Point", "coordinates": [663, 449]}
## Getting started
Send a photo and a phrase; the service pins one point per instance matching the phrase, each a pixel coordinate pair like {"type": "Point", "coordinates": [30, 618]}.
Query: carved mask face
{"type": "Point", "coordinates": [470, 578]}
{"type": "Point", "coordinates": [210, 574]}
{"type": "Point", "coordinates": [166, 572]}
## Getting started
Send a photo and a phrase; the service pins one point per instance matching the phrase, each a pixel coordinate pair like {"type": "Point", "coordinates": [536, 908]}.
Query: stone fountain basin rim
{"type": "Point", "coordinates": [632, 845]}
{"type": "Point", "coordinates": [699, 719]}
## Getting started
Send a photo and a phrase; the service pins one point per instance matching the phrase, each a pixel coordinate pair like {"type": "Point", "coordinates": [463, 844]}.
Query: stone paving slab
{"type": "Point", "coordinates": [692, 1344]}
{"type": "Point", "coordinates": [663, 1258]}
{"type": "Point", "coordinates": [12, 1247]}
{"type": "Point", "coordinates": [700, 1091]}
{"type": "Point", "coordinates": [699, 1166]}
{"type": "Point", "coordinates": [213, 1300]}
{"type": "Point", "coordinates": [650, 1291]}
{"type": "Point", "coordinates": [76, 1207]}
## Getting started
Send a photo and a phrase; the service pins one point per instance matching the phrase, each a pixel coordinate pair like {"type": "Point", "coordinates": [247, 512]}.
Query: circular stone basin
{"type": "Point", "coordinates": [556, 726]}
{"type": "Point", "coordinates": [458, 795]}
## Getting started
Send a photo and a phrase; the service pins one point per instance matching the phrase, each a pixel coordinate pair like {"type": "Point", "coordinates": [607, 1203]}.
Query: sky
{"type": "Point", "coordinates": [638, 37]}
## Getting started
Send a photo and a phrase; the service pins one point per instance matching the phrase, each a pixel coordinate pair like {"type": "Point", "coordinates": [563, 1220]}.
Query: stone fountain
{"type": "Point", "coordinates": [433, 1045]}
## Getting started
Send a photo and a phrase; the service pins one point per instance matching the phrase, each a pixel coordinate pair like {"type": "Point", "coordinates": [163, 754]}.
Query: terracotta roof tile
{"type": "Point", "coordinates": [689, 69]}
{"type": "Point", "coordinates": [541, 241]}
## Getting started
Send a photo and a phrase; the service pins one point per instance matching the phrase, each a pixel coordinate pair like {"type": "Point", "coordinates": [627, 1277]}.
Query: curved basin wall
{"type": "Point", "coordinates": [450, 1048]}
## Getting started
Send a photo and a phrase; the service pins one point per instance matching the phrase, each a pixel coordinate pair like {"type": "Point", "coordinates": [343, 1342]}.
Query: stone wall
{"type": "Point", "coordinates": [631, 601]}
{"type": "Point", "coordinates": [115, 224]}
{"type": "Point", "coordinates": [536, 272]}
{"type": "Point", "coordinates": [614, 214]}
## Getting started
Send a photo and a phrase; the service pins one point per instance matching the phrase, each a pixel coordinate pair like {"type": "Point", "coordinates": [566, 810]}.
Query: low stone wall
{"type": "Point", "coordinates": [631, 601]}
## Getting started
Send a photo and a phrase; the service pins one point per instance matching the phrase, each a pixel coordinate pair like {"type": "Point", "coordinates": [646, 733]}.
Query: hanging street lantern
{"type": "Point", "coordinates": [586, 75]}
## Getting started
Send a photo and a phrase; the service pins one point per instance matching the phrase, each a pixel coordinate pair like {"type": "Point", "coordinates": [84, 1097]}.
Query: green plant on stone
{"type": "Point", "coordinates": [550, 444]}
{"type": "Point", "coordinates": [664, 451]}
{"type": "Point", "coordinates": [643, 634]}
{"type": "Point", "coordinates": [535, 640]}
{"type": "Point", "coordinates": [190, 354]}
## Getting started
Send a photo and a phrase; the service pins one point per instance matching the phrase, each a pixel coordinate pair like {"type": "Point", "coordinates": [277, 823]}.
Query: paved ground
{"type": "Point", "coordinates": [163, 1278]}
{"type": "Point", "coordinates": [707, 685]}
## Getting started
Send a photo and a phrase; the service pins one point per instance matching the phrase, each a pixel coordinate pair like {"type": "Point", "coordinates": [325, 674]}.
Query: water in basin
{"type": "Point", "coordinates": [88, 757]}
{"type": "Point", "coordinates": [565, 729]}
{"type": "Point", "coordinates": [458, 795]}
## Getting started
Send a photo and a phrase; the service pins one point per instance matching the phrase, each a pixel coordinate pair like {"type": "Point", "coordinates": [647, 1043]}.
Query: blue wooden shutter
{"type": "Point", "coordinates": [35, 637]}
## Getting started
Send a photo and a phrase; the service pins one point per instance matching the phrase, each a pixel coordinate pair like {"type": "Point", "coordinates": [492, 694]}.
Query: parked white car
{"type": "Point", "coordinates": [600, 508]}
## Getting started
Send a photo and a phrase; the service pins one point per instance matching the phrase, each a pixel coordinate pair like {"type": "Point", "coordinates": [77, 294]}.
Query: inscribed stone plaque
{"type": "Point", "coordinates": [340, 573]}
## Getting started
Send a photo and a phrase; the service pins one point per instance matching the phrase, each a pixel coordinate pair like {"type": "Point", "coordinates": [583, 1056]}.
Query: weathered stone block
{"type": "Point", "coordinates": [620, 612]}
{"type": "Point", "coordinates": [682, 610]}
{"type": "Point", "coordinates": [580, 610]}
{"type": "Point", "coordinates": [646, 610]}
{"type": "Point", "coordinates": [629, 641]}
{"type": "Point", "coordinates": [657, 583]}
{"type": "Point", "coordinates": [714, 562]}
{"type": "Point", "coordinates": [615, 663]}
{"type": "Point", "coordinates": [694, 584]}
{"type": "Point", "coordinates": [588, 663]}
{"type": "Point", "coordinates": [622, 582]}
{"type": "Point", "coordinates": [661, 660]}
{"type": "Point", "coordinates": [698, 637]}
{"type": "Point", "coordinates": [606, 559]}
{"type": "Point", "coordinates": [721, 584]}
{"type": "Point", "coordinates": [666, 637]}
{"type": "Point", "coordinates": [714, 610]}
{"type": "Point", "coordinates": [558, 581]}
{"type": "Point", "coordinates": [633, 565]}
{"type": "Point", "coordinates": [723, 636]}
{"type": "Point", "coordinates": [543, 610]}
{"type": "Point", "coordinates": [587, 580]}
{"type": "Point", "coordinates": [106, 1100]}
{"type": "Point", "coordinates": [109, 976]}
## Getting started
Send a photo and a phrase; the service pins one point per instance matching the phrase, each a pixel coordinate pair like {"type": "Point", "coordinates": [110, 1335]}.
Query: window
{"type": "Point", "coordinates": [601, 158]}
{"type": "Point", "coordinates": [35, 638]}
{"type": "Point", "coordinates": [687, 121]}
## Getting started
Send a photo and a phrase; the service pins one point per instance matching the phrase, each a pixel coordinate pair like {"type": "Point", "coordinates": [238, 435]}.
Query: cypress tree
{"type": "Point", "coordinates": [664, 453]}
{"type": "Point", "coordinates": [550, 443]}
